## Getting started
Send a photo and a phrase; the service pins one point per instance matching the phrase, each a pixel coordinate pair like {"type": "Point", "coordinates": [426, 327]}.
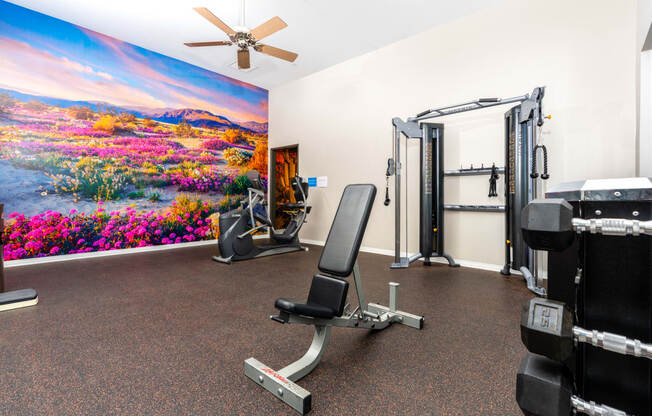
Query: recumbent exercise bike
{"type": "Point", "coordinates": [238, 226]}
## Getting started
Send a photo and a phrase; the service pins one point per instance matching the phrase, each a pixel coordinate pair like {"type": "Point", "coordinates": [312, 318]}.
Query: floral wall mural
{"type": "Point", "coordinates": [105, 145]}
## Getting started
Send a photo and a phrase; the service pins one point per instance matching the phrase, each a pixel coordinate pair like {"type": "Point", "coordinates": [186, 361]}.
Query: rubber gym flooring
{"type": "Point", "coordinates": [166, 333]}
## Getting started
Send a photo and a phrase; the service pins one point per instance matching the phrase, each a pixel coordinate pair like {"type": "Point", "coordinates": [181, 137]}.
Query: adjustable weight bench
{"type": "Point", "coordinates": [326, 305]}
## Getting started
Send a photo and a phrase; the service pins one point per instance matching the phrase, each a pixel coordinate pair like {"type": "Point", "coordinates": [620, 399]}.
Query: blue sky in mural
{"type": "Point", "coordinates": [42, 55]}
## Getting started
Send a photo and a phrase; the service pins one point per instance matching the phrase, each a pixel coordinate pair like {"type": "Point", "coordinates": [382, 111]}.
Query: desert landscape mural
{"type": "Point", "coordinates": [105, 145]}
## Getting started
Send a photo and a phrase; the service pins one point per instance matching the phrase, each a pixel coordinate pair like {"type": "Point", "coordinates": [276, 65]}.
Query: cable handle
{"type": "Point", "coordinates": [391, 170]}
{"type": "Point", "coordinates": [387, 200]}
{"type": "Point", "coordinates": [545, 175]}
{"type": "Point", "coordinates": [493, 177]}
{"type": "Point", "coordinates": [391, 167]}
{"type": "Point", "coordinates": [534, 174]}
{"type": "Point", "coordinates": [533, 170]}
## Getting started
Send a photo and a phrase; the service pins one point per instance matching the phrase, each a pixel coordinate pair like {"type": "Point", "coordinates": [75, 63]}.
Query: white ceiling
{"type": "Point", "coordinates": [322, 32]}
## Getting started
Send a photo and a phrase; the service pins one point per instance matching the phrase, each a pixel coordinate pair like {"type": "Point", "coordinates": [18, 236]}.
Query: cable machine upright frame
{"type": "Point", "coordinates": [520, 131]}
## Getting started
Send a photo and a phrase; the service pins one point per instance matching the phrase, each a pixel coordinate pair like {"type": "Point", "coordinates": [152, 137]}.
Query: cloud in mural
{"type": "Point", "coordinates": [35, 71]}
{"type": "Point", "coordinates": [76, 66]}
{"type": "Point", "coordinates": [70, 62]}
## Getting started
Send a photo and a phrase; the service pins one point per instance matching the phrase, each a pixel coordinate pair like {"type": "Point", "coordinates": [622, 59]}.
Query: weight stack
{"type": "Point", "coordinates": [614, 293]}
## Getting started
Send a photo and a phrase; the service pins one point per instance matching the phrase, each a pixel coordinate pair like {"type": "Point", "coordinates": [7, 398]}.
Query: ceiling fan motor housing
{"type": "Point", "coordinates": [243, 39]}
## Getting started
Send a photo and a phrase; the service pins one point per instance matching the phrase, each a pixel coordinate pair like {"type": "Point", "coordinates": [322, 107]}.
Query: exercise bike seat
{"type": "Point", "coordinates": [291, 206]}
{"type": "Point", "coordinates": [326, 299]}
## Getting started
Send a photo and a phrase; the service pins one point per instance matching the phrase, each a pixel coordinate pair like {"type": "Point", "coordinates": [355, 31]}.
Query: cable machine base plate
{"type": "Point", "coordinates": [402, 264]}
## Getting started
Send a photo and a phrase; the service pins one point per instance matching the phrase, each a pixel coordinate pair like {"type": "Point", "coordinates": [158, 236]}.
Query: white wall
{"type": "Point", "coordinates": [643, 20]}
{"type": "Point", "coordinates": [644, 90]}
{"type": "Point", "coordinates": [645, 115]}
{"type": "Point", "coordinates": [583, 51]}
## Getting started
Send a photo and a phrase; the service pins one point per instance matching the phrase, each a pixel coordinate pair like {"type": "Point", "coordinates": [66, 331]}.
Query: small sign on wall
{"type": "Point", "coordinates": [318, 182]}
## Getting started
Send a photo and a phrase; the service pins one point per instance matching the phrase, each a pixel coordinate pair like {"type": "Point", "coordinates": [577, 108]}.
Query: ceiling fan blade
{"type": "Point", "coordinates": [218, 43]}
{"type": "Point", "coordinates": [276, 52]}
{"type": "Point", "coordinates": [214, 20]}
{"type": "Point", "coordinates": [273, 25]}
{"type": "Point", "coordinates": [243, 59]}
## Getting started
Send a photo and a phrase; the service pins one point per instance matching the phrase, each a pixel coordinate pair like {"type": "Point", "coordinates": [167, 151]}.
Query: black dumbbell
{"type": "Point", "coordinates": [547, 329]}
{"type": "Point", "coordinates": [544, 388]}
{"type": "Point", "coordinates": [548, 224]}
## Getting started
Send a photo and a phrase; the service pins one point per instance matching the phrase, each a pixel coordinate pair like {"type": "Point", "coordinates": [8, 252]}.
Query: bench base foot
{"type": "Point", "coordinates": [292, 394]}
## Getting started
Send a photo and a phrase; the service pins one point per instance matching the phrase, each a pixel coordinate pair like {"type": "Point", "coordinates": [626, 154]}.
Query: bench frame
{"type": "Point", "coordinates": [282, 383]}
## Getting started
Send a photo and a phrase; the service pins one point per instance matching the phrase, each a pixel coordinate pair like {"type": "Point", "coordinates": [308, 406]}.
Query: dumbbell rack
{"type": "Point", "coordinates": [607, 281]}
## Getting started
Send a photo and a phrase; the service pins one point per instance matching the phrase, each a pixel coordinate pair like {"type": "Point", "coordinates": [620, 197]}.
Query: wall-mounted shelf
{"type": "Point", "coordinates": [477, 208]}
{"type": "Point", "coordinates": [476, 171]}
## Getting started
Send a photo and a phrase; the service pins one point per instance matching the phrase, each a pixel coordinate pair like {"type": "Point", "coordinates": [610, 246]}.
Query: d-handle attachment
{"type": "Point", "coordinates": [391, 169]}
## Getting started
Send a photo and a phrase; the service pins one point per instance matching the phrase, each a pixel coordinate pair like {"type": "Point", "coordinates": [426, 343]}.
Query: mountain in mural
{"type": "Point", "coordinates": [255, 126]}
{"type": "Point", "coordinates": [59, 102]}
{"type": "Point", "coordinates": [194, 117]}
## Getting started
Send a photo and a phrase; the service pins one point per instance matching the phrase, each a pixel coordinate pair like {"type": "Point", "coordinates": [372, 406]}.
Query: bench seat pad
{"type": "Point", "coordinates": [313, 310]}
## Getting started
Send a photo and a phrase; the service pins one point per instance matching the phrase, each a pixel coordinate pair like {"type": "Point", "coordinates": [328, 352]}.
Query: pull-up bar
{"type": "Point", "coordinates": [468, 106]}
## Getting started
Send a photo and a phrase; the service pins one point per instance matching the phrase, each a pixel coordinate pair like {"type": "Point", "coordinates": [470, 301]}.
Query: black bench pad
{"type": "Point", "coordinates": [326, 299]}
{"type": "Point", "coordinates": [345, 236]}
{"type": "Point", "coordinates": [314, 310]}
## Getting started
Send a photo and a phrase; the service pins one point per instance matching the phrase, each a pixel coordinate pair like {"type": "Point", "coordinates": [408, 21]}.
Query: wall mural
{"type": "Point", "coordinates": [105, 145]}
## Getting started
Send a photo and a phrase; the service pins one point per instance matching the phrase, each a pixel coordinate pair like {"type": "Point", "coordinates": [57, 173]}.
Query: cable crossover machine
{"type": "Point", "coordinates": [520, 173]}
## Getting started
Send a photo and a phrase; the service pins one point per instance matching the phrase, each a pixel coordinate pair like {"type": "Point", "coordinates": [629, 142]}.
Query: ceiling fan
{"type": "Point", "coordinates": [244, 38]}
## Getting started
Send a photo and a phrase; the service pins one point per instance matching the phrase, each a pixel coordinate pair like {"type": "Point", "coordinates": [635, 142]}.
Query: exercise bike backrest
{"type": "Point", "coordinates": [256, 181]}
{"type": "Point", "coordinates": [300, 187]}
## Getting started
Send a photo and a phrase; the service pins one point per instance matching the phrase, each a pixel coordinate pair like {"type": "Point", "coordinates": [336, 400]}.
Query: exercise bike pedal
{"type": "Point", "coordinates": [220, 259]}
